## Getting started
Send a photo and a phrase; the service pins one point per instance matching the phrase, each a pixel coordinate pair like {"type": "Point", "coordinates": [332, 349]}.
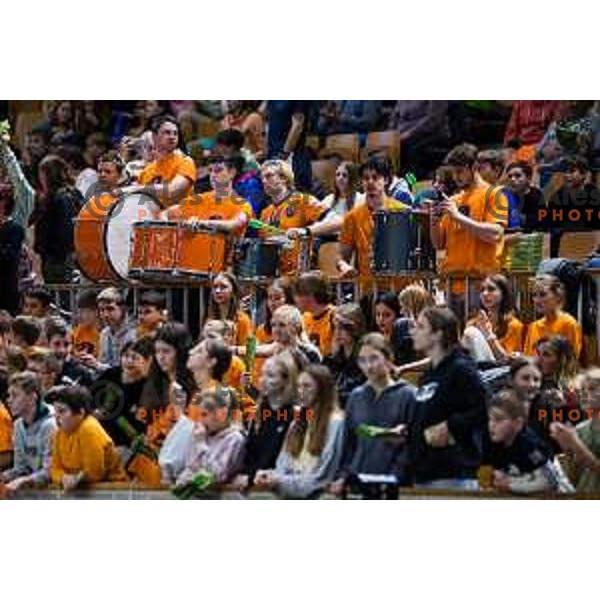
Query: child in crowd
{"type": "Point", "coordinates": [82, 452]}
{"type": "Point", "coordinates": [582, 443]}
{"type": "Point", "coordinates": [26, 332]}
{"type": "Point", "coordinates": [225, 305]}
{"type": "Point", "coordinates": [152, 313]}
{"type": "Point", "coordinates": [312, 297]}
{"type": "Point", "coordinates": [267, 432]}
{"type": "Point", "coordinates": [522, 462]}
{"type": "Point", "coordinates": [381, 403]}
{"type": "Point", "coordinates": [34, 428]}
{"type": "Point", "coordinates": [549, 298]}
{"type": "Point", "coordinates": [217, 444]}
{"type": "Point", "coordinates": [312, 451]}
{"type": "Point", "coordinates": [86, 334]}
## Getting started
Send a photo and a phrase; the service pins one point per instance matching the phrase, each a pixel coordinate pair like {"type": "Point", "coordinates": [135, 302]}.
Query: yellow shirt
{"type": "Point", "coordinates": [6, 429]}
{"type": "Point", "coordinates": [513, 338]}
{"type": "Point", "coordinates": [89, 449]}
{"type": "Point", "coordinates": [564, 325]}
{"type": "Point", "coordinates": [358, 232]}
{"type": "Point", "coordinates": [166, 168]}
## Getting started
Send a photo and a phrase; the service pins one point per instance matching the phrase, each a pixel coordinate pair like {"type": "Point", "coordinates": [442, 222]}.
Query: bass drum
{"type": "Point", "coordinates": [103, 231]}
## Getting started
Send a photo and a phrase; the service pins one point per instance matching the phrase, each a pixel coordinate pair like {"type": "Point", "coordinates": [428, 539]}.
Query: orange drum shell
{"type": "Point", "coordinates": [201, 253]}
{"type": "Point", "coordinates": [89, 239]}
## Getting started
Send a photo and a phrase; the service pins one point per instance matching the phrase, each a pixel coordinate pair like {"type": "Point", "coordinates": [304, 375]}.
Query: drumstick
{"type": "Point", "coordinates": [256, 224]}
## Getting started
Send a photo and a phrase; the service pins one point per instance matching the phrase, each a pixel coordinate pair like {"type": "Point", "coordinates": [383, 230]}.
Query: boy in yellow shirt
{"type": "Point", "coordinates": [82, 452]}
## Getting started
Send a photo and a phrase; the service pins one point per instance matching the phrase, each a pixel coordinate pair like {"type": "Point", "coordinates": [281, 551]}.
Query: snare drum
{"type": "Point", "coordinates": [103, 234]}
{"type": "Point", "coordinates": [401, 244]}
{"type": "Point", "coordinates": [169, 249]}
{"type": "Point", "coordinates": [256, 259]}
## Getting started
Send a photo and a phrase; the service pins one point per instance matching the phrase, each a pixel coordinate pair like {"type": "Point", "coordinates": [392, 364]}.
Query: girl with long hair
{"type": "Point", "coordinates": [348, 328]}
{"type": "Point", "coordinates": [274, 415]}
{"type": "Point", "coordinates": [313, 447]}
{"type": "Point", "coordinates": [224, 305]}
{"type": "Point", "coordinates": [495, 333]}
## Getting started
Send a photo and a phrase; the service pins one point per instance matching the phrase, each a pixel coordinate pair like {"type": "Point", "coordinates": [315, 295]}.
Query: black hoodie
{"type": "Point", "coordinates": [452, 392]}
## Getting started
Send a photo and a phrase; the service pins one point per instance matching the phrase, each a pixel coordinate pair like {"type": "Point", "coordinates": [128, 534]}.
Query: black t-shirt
{"type": "Point", "coordinates": [529, 206]}
{"type": "Point", "coordinates": [526, 454]}
{"type": "Point", "coordinates": [118, 399]}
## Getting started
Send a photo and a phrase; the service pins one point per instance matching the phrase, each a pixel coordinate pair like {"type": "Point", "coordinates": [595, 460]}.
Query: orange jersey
{"type": "Point", "coordinates": [86, 339]}
{"type": "Point", "coordinates": [358, 232]}
{"type": "Point", "coordinates": [208, 207]}
{"type": "Point", "coordinates": [6, 429]}
{"type": "Point", "coordinates": [166, 168]}
{"type": "Point", "coordinates": [564, 325]}
{"type": "Point", "coordinates": [466, 253]}
{"type": "Point", "coordinates": [298, 210]}
{"type": "Point", "coordinates": [320, 329]}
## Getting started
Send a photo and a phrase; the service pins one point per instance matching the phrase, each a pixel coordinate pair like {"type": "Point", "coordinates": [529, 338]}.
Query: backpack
{"type": "Point", "coordinates": [577, 282]}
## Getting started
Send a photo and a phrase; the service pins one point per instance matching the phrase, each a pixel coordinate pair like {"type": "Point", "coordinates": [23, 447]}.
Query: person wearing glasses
{"type": "Point", "coordinates": [290, 211]}
{"type": "Point", "coordinates": [549, 298]}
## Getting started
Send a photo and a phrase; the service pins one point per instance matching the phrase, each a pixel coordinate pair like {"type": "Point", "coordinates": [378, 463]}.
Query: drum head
{"type": "Point", "coordinates": [117, 234]}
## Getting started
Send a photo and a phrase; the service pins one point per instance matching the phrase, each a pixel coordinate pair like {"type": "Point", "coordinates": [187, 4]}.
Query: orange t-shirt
{"type": "Point", "coordinates": [320, 329]}
{"type": "Point", "coordinates": [513, 338]}
{"type": "Point", "coordinates": [298, 210]}
{"type": "Point", "coordinates": [465, 253]}
{"type": "Point", "coordinates": [6, 429]}
{"type": "Point", "coordinates": [85, 336]}
{"type": "Point", "coordinates": [564, 325]}
{"type": "Point", "coordinates": [166, 168]}
{"type": "Point", "coordinates": [358, 231]}
{"type": "Point", "coordinates": [208, 207]}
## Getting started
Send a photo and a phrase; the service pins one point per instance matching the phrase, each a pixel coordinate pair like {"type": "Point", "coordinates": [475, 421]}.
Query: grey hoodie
{"type": "Point", "coordinates": [33, 446]}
